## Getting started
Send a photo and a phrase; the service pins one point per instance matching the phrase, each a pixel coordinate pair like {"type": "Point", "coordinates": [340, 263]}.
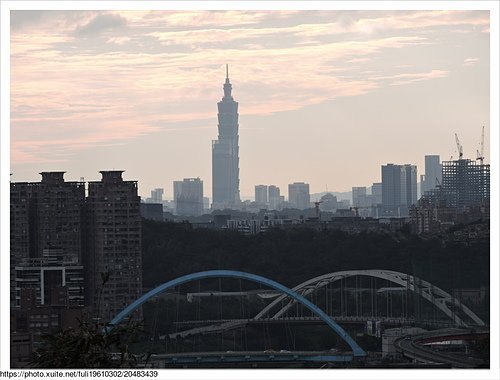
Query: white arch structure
{"type": "Point", "coordinates": [431, 293]}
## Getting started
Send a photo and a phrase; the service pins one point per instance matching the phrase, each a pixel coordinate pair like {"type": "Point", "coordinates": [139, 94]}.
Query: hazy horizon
{"type": "Point", "coordinates": [325, 97]}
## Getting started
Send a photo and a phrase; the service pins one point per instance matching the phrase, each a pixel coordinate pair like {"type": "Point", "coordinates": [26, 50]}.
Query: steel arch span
{"type": "Point", "coordinates": [431, 293]}
{"type": "Point", "coordinates": [356, 349]}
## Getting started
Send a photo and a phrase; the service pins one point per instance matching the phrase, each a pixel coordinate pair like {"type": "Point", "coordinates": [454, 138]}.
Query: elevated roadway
{"type": "Point", "coordinates": [414, 347]}
{"type": "Point", "coordinates": [215, 325]}
{"type": "Point", "coordinates": [249, 357]}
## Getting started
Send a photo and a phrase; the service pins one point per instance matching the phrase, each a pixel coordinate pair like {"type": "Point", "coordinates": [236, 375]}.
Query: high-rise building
{"type": "Point", "coordinates": [46, 215]}
{"type": "Point", "coordinates": [399, 189]}
{"type": "Point", "coordinates": [433, 174]}
{"type": "Point", "coordinates": [359, 198]}
{"type": "Point", "coordinates": [114, 244]}
{"type": "Point", "coordinates": [49, 273]}
{"type": "Point", "coordinates": [188, 197]}
{"type": "Point", "coordinates": [377, 192]}
{"type": "Point", "coordinates": [225, 153]}
{"type": "Point", "coordinates": [465, 183]}
{"type": "Point", "coordinates": [274, 197]}
{"type": "Point", "coordinates": [206, 203]}
{"type": "Point", "coordinates": [298, 195]}
{"type": "Point", "coordinates": [410, 184]}
{"type": "Point", "coordinates": [157, 195]}
{"type": "Point", "coordinates": [392, 187]}
{"type": "Point", "coordinates": [261, 194]}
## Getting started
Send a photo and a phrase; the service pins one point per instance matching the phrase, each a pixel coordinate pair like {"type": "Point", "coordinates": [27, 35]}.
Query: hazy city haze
{"type": "Point", "coordinates": [325, 97]}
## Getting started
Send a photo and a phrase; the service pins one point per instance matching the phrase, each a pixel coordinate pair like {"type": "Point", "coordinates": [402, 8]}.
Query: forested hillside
{"type": "Point", "coordinates": [292, 256]}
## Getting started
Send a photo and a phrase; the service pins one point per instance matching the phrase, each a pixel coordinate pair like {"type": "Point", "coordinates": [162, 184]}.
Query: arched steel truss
{"type": "Point", "coordinates": [431, 293]}
{"type": "Point", "coordinates": [356, 349]}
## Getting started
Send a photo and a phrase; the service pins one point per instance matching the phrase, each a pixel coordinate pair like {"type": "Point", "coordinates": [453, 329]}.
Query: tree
{"type": "Point", "coordinates": [90, 345]}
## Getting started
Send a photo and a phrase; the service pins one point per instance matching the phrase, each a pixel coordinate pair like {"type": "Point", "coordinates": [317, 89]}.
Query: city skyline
{"type": "Point", "coordinates": [331, 155]}
{"type": "Point", "coordinates": [147, 104]}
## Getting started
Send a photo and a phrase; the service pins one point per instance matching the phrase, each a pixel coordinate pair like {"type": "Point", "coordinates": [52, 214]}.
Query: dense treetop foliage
{"type": "Point", "coordinates": [90, 345]}
{"type": "Point", "coordinates": [292, 256]}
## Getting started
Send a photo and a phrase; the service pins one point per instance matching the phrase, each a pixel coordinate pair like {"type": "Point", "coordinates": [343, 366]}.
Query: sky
{"type": "Point", "coordinates": [325, 97]}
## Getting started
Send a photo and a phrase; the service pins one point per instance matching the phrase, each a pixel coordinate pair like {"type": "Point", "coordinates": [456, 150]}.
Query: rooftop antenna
{"type": "Point", "coordinates": [227, 71]}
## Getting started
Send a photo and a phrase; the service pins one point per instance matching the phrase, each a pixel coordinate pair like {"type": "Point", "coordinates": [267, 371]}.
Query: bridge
{"type": "Point", "coordinates": [326, 300]}
{"type": "Point", "coordinates": [248, 358]}
{"type": "Point", "coordinates": [418, 348]}
{"type": "Point", "coordinates": [215, 325]}
{"type": "Point", "coordinates": [456, 311]}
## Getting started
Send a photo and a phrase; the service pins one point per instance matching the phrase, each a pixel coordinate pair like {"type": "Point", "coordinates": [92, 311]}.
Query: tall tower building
{"type": "Point", "coordinates": [225, 153]}
{"type": "Point", "coordinates": [114, 244]}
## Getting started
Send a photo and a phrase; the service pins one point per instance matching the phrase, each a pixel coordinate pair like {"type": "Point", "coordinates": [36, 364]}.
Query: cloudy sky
{"type": "Point", "coordinates": [326, 97]}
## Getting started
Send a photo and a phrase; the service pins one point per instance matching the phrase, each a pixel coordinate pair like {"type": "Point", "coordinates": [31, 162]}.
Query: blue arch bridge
{"type": "Point", "coordinates": [286, 300]}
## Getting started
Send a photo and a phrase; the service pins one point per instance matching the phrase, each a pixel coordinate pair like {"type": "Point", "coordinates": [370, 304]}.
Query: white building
{"type": "Point", "coordinates": [433, 174]}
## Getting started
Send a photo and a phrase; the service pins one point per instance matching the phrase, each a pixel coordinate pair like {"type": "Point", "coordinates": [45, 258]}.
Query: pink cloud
{"type": "Point", "coordinates": [152, 77]}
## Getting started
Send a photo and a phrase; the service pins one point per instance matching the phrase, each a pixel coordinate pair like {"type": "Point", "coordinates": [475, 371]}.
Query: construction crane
{"type": "Point", "coordinates": [480, 154]}
{"type": "Point", "coordinates": [459, 147]}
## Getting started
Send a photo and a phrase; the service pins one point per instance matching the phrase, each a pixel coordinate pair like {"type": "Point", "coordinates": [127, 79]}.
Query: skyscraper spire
{"type": "Point", "coordinates": [227, 84]}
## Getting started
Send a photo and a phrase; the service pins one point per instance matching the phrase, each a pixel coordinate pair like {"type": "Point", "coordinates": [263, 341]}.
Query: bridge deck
{"type": "Point", "coordinates": [251, 357]}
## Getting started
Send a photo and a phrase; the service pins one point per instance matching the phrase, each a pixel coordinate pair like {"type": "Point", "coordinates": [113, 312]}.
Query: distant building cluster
{"type": "Point", "coordinates": [447, 190]}
{"type": "Point", "coordinates": [462, 195]}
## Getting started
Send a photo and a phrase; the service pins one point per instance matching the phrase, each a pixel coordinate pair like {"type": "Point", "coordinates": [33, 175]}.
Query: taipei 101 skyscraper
{"type": "Point", "coordinates": [225, 159]}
